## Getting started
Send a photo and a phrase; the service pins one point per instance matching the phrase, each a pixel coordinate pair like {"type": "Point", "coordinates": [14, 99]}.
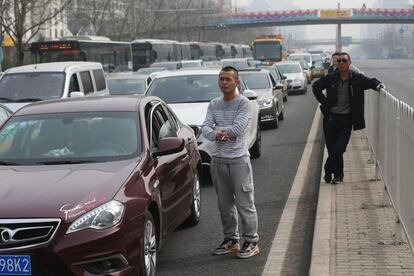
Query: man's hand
{"type": "Point", "coordinates": [380, 86]}
{"type": "Point", "coordinates": [222, 136]}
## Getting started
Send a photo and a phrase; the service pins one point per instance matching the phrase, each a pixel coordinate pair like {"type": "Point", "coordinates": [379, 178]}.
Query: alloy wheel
{"type": "Point", "coordinates": [150, 248]}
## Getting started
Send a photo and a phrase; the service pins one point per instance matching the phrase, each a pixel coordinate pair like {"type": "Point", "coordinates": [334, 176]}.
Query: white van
{"type": "Point", "coordinates": [37, 82]}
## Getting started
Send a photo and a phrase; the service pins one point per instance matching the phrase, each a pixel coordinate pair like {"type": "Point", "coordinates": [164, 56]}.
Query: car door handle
{"type": "Point", "coordinates": [184, 159]}
{"type": "Point", "coordinates": [156, 184]}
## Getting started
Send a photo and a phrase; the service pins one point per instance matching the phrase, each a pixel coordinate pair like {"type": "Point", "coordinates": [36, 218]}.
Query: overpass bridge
{"type": "Point", "coordinates": [308, 17]}
{"type": "Point", "coordinates": [308, 42]}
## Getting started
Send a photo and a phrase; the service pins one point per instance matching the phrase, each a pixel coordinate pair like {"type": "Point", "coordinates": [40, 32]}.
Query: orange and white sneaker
{"type": "Point", "coordinates": [227, 246]}
{"type": "Point", "coordinates": [249, 249]}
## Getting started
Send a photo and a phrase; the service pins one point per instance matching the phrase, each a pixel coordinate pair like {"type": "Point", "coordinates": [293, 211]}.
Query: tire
{"type": "Point", "coordinates": [275, 123]}
{"type": "Point", "coordinates": [281, 116]}
{"type": "Point", "coordinates": [256, 149]}
{"type": "Point", "coordinates": [194, 218]}
{"type": "Point", "coordinates": [149, 246]}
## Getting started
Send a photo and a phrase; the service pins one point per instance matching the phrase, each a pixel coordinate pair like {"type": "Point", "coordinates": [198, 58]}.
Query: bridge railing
{"type": "Point", "coordinates": [390, 133]}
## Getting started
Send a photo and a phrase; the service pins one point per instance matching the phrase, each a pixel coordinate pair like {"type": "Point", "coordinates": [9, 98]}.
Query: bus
{"type": "Point", "coordinates": [202, 50]}
{"type": "Point", "coordinates": [114, 56]}
{"type": "Point", "coordinates": [268, 48]}
{"type": "Point", "coordinates": [147, 51]}
{"type": "Point", "coordinates": [222, 50]}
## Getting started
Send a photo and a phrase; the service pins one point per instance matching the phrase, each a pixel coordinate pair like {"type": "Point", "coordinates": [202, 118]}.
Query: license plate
{"type": "Point", "coordinates": [15, 265]}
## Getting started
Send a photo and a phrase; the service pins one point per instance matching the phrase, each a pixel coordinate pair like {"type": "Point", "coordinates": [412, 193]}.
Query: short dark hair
{"type": "Point", "coordinates": [231, 69]}
{"type": "Point", "coordinates": [345, 54]}
{"type": "Point", "coordinates": [336, 54]}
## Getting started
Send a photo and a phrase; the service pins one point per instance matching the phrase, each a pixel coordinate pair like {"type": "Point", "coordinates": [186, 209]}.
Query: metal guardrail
{"type": "Point", "coordinates": [390, 133]}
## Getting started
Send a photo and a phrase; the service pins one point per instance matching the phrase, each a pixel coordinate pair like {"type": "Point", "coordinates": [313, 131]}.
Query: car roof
{"type": "Point", "coordinates": [185, 72]}
{"type": "Point", "coordinates": [254, 70]}
{"type": "Point", "coordinates": [288, 62]}
{"type": "Point", "coordinates": [53, 67]}
{"type": "Point", "coordinates": [82, 104]}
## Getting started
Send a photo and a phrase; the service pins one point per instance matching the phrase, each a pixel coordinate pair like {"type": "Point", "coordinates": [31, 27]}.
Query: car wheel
{"type": "Point", "coordinates": [194, 218]}
{"type": "Point", "coordinates": [275, 122]}
{"type": "Point", "coordinates": [256, 149]}
{"type": "Point", "coordinates": [149, 248]}
{"type": "Point", "coordinates": [281, 116]}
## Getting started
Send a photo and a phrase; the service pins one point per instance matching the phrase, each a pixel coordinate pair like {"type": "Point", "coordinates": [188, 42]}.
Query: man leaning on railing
{"type": "Point", "coordinates": [343, 109]}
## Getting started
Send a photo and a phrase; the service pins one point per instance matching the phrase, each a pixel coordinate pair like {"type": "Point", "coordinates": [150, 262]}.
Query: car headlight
{"type": "Point", "coordinates": [102, 217]}
{"type": "Point", "coordinates": [265, 103]}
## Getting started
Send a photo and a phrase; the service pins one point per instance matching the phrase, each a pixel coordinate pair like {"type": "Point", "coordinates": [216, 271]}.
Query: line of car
{"type": "Point", "coordinates": [97, 184]}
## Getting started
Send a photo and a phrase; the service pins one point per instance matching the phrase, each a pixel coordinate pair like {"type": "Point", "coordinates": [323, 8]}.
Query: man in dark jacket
{"type": "Point", "coordinates": [343, 109]}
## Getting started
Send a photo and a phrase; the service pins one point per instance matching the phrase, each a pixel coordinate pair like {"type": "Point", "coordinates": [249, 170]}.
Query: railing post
{"type": "Point", "coordinates": [398, 229]}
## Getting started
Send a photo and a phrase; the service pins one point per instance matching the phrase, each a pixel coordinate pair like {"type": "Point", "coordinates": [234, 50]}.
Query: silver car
{"type": "Point", "coordinates": [297, 81]}
{"type": "Point", "coordinates": [189, 92]}
{"type": "Point", "coordinates": [270, 96]}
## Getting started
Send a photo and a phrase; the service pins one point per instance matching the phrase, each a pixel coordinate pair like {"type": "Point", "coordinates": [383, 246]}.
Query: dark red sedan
{"type": "Point", "coordinates": [93, 186]}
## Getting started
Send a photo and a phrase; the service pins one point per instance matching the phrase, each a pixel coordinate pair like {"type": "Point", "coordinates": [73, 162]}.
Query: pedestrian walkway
{"type": "Point", "coordinates": [354, 225]}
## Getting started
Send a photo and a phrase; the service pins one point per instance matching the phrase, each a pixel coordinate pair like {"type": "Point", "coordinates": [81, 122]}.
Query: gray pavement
{"type": "Point", "coordinates": [354, 226]}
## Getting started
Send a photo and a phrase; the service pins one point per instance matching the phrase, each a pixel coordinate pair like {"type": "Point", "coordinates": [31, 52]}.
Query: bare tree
{"type": "Point", "coordinates": [23, 19]}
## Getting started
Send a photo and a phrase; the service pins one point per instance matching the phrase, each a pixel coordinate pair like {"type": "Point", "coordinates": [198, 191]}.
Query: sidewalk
{"type": "Point", "coordinates": [353, 226]}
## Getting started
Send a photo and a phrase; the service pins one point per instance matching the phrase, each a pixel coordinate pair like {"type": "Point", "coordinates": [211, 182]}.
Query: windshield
{"type": "Point", "coordinates": [70, 137]}
{"type": "Point", "coordinates": [289, 68]}
{"type": "Point", "coordinates": [238, 64]}
{"type": "Point", "coordinates": [300, 57]}
{"type": "Point", "coordinates": [149, 70]}
{"type": "Point", "coordinates": [190, 64]}
{"type": "Point", "coordinates": [256, 81]}
{"type": "Point", "coordinates": [126, 86]}
{"type": "Point", "coordinates": [185, 89]}
{"type": "Point", "coordinates": [169, 65]}
{"type": "Point", "coordinates": [267, 50]}
{"type": "Point", "coordinates": [41, 86]}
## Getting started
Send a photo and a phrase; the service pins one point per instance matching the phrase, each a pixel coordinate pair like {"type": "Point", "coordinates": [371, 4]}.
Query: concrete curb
{"type": "Point", "coordinates": [322, 245]}
{"type": "Point", "coordinates": [280, 244]}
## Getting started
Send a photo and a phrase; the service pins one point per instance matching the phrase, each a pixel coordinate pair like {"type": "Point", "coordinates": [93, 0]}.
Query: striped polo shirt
{"type": "Point", "coordinates": [234, 117]}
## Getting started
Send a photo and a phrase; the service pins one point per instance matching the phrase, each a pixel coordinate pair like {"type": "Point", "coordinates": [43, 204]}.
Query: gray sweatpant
{"type": "Point", "coordinates": [233, 180]}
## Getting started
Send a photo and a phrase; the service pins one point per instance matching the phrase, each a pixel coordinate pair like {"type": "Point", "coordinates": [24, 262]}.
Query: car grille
{"type": "Point", "coordinates": [289, 81]}
{"type": "Point", "coordinates": [25, 233]}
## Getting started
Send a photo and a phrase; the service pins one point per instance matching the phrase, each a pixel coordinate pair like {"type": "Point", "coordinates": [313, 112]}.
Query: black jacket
{"type": "Point", "coordinates": [357, 84]}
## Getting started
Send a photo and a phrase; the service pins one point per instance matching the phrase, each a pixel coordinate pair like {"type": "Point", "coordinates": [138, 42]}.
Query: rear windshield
{"type": "Point", "coordinates": [256, 81]}
{"type": "Point", "coordinates": [126, 86]}
{"type": "Point", "coordinates": [70, 137]}
{"type": "Point", "coordinates": [22, 86]}
{"type": "Point", "coordinates": [185, 89]}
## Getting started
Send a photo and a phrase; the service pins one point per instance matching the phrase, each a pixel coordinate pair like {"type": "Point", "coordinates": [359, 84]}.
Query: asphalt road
{"type": "Point", "coordinates": [188, 250]}
{"type": "Point", "coordinates": [397, 74]}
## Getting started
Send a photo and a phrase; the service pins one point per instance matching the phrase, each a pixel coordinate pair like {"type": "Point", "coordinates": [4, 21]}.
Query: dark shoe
{"type": "Point", "coordinates": [328, 178]}
{"type": "Point", "coordinates": [337, 180]}
{"type": "Point", "coordinates": [227, 246]}
{"type": "Point", "coordinates": [248, 250]}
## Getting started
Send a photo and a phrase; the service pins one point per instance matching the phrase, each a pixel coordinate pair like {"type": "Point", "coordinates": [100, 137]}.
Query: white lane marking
{"type": "Point", "coordinates": [280, 244]}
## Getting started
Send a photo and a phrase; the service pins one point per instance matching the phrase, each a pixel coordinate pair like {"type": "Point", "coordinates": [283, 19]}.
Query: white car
{"type": "Point", "coordinates": [22, 85]}
{"type": "Point", "coordinates": [296, 78]}
{"type": "Point", "coordinates": [189, 93]}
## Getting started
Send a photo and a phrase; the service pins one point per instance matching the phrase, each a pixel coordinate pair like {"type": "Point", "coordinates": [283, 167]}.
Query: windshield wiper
{"type": "Point", "coordinates": [6, 99]}
{"type": "Point", "coordinates": [7, 163]}
{"type": "Point", "coordinates": [28, 100]}
{"type": "Point", "coordinates": [62, 162]}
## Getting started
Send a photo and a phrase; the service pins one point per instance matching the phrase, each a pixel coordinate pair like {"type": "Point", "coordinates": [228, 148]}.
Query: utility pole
{"type": "Point", "coordinates": [339, 34]}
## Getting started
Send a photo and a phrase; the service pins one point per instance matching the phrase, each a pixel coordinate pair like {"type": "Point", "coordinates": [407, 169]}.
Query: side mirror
{"type": "Point", "coordinates": [279, 86]}
{"type": "Point", "coordinates": [284, 77]}
{"type": "Point", "coordinates": [250, 94]}
{"type": "Point", "coordinates": [169, 145]}
{"type": "Point", "coordinates": [76, 94]}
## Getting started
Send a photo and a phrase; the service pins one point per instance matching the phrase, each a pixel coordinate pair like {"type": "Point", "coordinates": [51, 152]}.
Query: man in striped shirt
{"type": "Point", "coordinates": [227, 124]}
